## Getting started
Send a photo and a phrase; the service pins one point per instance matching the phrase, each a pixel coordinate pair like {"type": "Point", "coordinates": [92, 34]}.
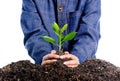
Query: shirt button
{"type": "Point", "coordinates": [60, 8]}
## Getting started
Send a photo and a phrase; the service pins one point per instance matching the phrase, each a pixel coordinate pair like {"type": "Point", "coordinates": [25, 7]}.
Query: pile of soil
{"type": "Point", "coordinates": [90, 70]}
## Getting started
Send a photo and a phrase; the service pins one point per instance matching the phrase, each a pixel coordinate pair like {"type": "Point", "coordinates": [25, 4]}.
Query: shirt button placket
{"type": "Point", "coordinates": [61, 12]}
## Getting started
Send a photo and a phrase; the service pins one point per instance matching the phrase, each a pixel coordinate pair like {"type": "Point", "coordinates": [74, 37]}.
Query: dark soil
{"type": "Point", "coordinates": [90, 70]}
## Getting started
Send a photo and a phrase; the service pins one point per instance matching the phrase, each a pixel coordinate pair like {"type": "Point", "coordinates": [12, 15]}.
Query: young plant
{"type": "Point", "coordinates": [61, 37]}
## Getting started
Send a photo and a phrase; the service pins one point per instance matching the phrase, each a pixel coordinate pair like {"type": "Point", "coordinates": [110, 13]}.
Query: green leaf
{"type": "Point", "coordinates": [49, 39]}
{"type": "Point", "coordinates": [63, 28]}
{"type": "Point", "coordinates": [69, 36]}
{"type": "Point", "coordinates": [56, 28]}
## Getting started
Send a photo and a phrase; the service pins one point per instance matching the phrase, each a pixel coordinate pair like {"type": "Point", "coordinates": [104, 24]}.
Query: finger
{"type": "Point", "coordinates": [66, 52]}
{"type": "Point", "coordinates": [48, 62]}
{"type": "Point", "coordinates": [73, 66]}
{"type": "Point", "coordinates": [50, 56]}
{"type": "Point", "coordinates": [71, 62]}
{"type": "Point", "coordinates": [53, 52]}
{"type": "Point", "coordinates": [69, 56]}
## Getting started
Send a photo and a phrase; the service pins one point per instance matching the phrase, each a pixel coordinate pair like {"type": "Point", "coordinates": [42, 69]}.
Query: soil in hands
{"type": "Point", "coordinates": [90, 70]}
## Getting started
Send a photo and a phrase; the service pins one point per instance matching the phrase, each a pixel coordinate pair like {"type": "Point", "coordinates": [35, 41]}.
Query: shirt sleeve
{"type": "Point", "coordinates": [33, 29]}
{"type": "Point", "coordinates": [88, 33]}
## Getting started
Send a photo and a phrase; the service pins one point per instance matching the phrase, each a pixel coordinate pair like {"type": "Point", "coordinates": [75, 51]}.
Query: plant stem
{"type": "Point", "coordinates": [59, 44]}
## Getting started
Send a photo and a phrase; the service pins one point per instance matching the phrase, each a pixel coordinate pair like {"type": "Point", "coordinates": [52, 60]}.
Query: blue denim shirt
{"type": "Point", "coordinates": [82, 16]}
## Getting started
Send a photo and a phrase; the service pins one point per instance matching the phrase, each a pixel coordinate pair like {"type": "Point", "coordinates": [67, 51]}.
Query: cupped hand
{"type": "Point", "coordinates": [73, 62]}
{"type": "Point", "coordinates": [50, 58]}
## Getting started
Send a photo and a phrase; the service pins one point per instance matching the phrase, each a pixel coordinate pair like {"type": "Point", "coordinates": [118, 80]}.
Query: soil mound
{"type": "Point", "coordinates": [90, 70]}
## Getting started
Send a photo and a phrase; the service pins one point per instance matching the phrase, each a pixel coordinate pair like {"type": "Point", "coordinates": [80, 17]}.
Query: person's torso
{"type": "Point", "coordinates": [60, 11]}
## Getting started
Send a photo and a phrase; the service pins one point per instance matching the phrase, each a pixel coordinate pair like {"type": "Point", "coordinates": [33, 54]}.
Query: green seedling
{"type": "Point", "coordinates": [61, 37]}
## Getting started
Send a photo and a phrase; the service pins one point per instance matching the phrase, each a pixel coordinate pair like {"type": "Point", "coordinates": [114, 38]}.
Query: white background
{"type": "Point", "coordinates": [11, 36]}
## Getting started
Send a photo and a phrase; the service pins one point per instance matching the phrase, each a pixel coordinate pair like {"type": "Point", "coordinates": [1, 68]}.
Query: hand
{"type": "Point", "coordinates": [73, 62]}
{"type": "Point", "coordinates": [50, 58]}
